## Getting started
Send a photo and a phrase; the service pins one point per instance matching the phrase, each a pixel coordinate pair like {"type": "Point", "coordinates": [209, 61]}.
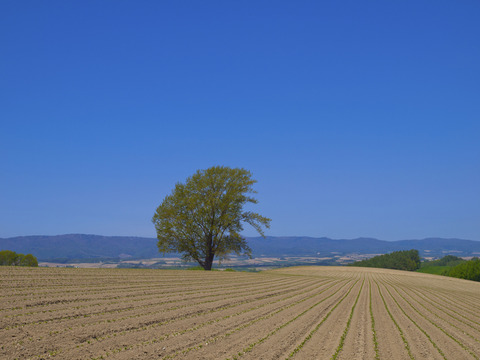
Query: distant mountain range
{"type": "Point", "coordinates": [81, 246]}
{"type": "Point", "coordinates": [304, 246]}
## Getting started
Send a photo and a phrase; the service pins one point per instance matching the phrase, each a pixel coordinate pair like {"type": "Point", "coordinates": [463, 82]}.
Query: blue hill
{"type": "Point", "coordinates": [81, 246]}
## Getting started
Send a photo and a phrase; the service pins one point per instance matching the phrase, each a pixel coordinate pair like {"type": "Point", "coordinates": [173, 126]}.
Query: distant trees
{"type": "Point", "coordinates": [11, 258]}
{"type": "Point", "coordinates": [453, 266]}
{"type": "Point", "coordinates": [400, 260]}
{"type": "Point", "coordinates": [448, 260]}
{"type": "Point", "coordinates": [441, 266]}
{"type": "Point", "coordinates": [469, 270]}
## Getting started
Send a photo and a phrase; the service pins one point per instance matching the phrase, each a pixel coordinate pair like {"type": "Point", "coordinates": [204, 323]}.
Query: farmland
{"type": "Point", "coordinates": [291, 313]}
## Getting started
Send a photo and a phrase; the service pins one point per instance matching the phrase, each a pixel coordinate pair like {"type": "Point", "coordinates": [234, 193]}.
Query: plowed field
{"type": "Point", "coordinates": [293, 313]}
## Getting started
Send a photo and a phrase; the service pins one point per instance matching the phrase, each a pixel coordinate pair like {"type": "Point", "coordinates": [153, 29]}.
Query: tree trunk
{"type": "Point", "coordinates": [208, 262]}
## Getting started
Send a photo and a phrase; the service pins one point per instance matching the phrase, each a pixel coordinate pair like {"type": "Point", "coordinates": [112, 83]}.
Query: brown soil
{"type": "Point", "coordinates": [300, 313]}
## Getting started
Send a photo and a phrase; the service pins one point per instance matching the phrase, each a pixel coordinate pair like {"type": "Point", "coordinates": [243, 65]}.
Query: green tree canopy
{"type": "Point", "coordinates": [11, 258]}
{"type": "Point", "coordinates": [29, 260]}
{"type": "Point", "coordinates": [400, 260]}
{"type": "Point", "coordinates": [203, 217]}
{"type": "Point", "coordinates": [469, 270]}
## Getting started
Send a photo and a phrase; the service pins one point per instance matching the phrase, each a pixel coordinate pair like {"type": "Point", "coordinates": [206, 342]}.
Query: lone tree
{"type": "Point", "coordinates": [203, 218]}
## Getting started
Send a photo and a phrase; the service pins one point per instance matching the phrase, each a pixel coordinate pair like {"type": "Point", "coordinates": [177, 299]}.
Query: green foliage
{"type": "Point", "coordinates": [203, 218]}
{"type": "Point", "coordinates": [441, 266]}
{"type": "Point", "coordinates": [194, 268]}
{"type": "Point", "coordinates": [448, 260]}
{"type": "Point", "coordinates": [8, 257]}
{"type": "Point", "coordinates": [437, 270]}
{"type": "Point", "coordinates": [401, 260]}
{"type": "Point", "coordinates": [453, 266]}
{"type": "Point", "coordinates": [29, 260]}
{"type": "Point", "coordinates": [469, 270]}
{"type": "Point", "coordinates": [11, 258]}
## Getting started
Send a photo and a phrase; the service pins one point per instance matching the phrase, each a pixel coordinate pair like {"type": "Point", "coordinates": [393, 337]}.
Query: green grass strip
{"type": "Point", "coordinates": [425, 299]}
{"type": "Point", "coordinates": [405, 342]}
{"type": "Point", "coordinates": [213, 339]}
{"type": "Point", "coordinates": [184, 351]}
{"type": "Point", "coordinates": [250, 347]}
{"type": "Point", "coordinates": [345, 332]}
{"type": "Point", "coordinates": [309, 336]}
{"type": "Point", "coordinates": [423, 331]}
{"type": "Point", "coordinates": [375, 340]}
{"type": "Point", "coordinates": [440, 328]}
{"type": "Point", "coordinates": [199, 314]}
{"type": "Point", "coordinates": [440, 307]}
{"type": "Point", "coordinates": [259, 341]}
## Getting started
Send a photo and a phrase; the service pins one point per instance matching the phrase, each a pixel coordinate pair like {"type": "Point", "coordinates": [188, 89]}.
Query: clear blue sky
{"type": "Point", "coordinates": [357, 118]}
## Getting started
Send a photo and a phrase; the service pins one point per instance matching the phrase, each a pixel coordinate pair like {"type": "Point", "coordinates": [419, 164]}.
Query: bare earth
{"type": "Point", "coordinates": [292, 313]}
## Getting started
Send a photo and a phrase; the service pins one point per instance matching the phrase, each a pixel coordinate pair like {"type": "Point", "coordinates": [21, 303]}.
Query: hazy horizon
{"type": "Point", "coordinates": [253, 236]}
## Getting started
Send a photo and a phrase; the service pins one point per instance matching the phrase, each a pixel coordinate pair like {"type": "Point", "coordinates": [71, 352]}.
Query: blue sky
{"type": "Point", "coordinates": [357, 118]}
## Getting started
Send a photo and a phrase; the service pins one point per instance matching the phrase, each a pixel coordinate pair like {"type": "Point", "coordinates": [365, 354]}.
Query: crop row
{"type": "Point", "coordinates": [294, 313]}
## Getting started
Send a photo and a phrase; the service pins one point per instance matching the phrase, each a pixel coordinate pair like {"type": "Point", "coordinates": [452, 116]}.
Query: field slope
{"type": "Point", "coordinates": [291, 313]}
